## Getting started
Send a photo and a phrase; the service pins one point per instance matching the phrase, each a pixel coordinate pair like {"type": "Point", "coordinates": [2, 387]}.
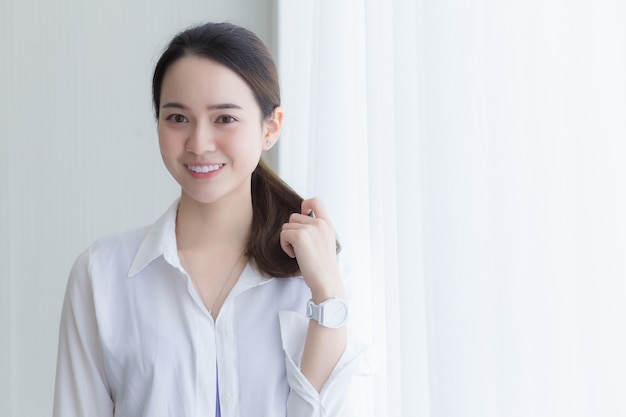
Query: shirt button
{"type": "Point", "coordinates": [221, 327]}
{"type": "Point", "coordinates": [226, 400]}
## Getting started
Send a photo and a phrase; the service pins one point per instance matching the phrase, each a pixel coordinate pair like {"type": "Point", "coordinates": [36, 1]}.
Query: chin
{"type": "Point", "coordinates": [214, 196]}
{"type": "Point", "coordinates": [201, 198]}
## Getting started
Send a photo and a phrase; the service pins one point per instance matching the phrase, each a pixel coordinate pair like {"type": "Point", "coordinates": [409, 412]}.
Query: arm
{"type": "Point", "coordinates": [81, 388]}
{"type": "Point", "coordinates": [311, 240]}
{"type": "Point", "coordinates": [324, 346]}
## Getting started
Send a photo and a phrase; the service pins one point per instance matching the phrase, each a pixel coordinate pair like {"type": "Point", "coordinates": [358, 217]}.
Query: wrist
{"type": "Point", "coordinates": [332, 313]}
{"type": "Point", "coordinates": [323, 293]}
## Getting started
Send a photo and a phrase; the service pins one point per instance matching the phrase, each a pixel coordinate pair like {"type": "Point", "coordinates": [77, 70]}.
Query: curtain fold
{"type": "Point", "coordinates": [338, 64]}
{"type": "Point", "coordinates": [471, 155]}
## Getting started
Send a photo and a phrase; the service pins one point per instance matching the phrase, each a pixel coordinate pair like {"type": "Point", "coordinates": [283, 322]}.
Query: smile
{"type": "Point", "coordinates": [203, 169]}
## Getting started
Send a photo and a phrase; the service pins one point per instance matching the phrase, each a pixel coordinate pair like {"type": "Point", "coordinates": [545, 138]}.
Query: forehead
{"type": "Point", "coordinates": [193, 79]}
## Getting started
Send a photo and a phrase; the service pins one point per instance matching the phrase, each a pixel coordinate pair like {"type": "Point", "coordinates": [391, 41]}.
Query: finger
{"type": "Point", "coordinates": [295, 226]}
{"type": "Point", "coordinates": [301, 218]}
{"type": "Point", "coordinates": [317, 206]}
{"type": "Point", "coordinates": [285, 245]}
{"type": "Point", "coordinates": [314, 205]}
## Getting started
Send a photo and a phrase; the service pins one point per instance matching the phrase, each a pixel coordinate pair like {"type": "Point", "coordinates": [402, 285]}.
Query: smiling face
{"type": "Point", "coordinates": [211, 131]}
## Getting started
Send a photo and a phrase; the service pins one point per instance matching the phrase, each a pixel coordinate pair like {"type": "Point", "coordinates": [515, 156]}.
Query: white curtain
{"type": "Point", "coordinates": [472, 156]}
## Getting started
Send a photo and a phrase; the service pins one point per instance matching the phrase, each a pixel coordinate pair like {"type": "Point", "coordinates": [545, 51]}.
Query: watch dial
{"type": "Point", "coordinates": [335, 313]}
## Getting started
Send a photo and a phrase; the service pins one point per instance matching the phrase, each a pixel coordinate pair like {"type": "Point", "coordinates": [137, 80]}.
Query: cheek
{"type": "Point", "coordinates": [168, 143]}
{"type": "Point", "coordinates": [245, 142]}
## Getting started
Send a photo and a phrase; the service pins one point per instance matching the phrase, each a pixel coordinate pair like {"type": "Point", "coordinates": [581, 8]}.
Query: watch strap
{"type": "Point", "coordinates": [316, 312]}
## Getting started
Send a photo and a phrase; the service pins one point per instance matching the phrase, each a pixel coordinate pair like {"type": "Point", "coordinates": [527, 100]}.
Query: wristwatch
{"type": "Point", "coordinates": [331, 313]}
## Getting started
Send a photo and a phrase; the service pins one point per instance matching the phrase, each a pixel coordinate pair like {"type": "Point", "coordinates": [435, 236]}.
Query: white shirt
{"type": "Point", "coordinates": [136, 339]}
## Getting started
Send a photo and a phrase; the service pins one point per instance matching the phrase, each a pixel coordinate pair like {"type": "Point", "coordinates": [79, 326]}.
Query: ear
{"type": "Point", "coordinates": [271, 128]}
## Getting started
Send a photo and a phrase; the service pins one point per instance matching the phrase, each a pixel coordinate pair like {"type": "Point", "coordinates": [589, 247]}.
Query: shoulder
{"type": "Point", "coordinates": [119, 247]}
{"type": "Point", "coordinates": [104, 262]}
{"type": "Point", "coordinates": [113, 253]}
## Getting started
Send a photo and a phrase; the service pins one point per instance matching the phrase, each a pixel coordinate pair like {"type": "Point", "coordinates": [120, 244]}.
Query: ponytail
{"type": "Point", "coordinates": [273, 201]}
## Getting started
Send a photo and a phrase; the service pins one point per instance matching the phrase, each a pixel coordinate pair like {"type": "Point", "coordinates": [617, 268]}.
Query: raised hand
{"type": "Point", "coordinates": [311, 240]}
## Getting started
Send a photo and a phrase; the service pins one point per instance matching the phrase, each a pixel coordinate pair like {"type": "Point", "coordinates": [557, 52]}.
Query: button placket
{"type": "Point", "coordinates": [205, 342]}
{"type": "Point", "coordinates": [221, 327]}
{"type": "Point", "coordinates": [226, 360]}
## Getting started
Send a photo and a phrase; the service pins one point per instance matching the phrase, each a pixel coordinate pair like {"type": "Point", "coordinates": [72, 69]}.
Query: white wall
{"type": "Point", "coordinates": [78, 155]}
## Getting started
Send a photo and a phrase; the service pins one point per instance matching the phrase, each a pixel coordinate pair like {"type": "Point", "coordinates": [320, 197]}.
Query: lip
{"type": "Point", "coordinates": [204, 170]}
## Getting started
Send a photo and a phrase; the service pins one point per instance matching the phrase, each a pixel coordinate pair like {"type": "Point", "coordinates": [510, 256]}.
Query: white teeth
{"type": "Point", "coordinates": [203, 169]}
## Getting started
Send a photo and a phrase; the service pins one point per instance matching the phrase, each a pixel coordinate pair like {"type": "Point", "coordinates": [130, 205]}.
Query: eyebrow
{"type": "Point", "coordinates": [221, 106]}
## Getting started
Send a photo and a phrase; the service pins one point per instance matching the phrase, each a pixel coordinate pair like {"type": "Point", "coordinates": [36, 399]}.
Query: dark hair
{"type": "Point", "coordinates": [273, 201]}
{"type": "Point", "coordinates": [236, 48]}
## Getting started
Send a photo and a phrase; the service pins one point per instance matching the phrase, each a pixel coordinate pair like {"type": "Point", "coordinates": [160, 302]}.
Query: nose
{"type": "Point", "coordinates": [200, 140]}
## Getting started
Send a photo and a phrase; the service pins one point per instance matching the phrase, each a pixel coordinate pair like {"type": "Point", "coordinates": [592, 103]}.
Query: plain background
{"type": "Point", "coordinates": [515, 157]}
{"type": "Point", "coordinates": [79, 156]}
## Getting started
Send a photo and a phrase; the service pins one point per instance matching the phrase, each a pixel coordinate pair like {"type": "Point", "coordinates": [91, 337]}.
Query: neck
{"type": "Point", "coordinates": [202, 226]}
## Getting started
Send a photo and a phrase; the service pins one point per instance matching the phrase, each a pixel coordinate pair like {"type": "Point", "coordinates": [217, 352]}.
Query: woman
{"type": "Point", "coordinates": [232, 302]}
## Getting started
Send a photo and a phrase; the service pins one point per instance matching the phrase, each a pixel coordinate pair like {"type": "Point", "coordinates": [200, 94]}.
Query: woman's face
{"type": "Point", "coordinates": [211, 131]}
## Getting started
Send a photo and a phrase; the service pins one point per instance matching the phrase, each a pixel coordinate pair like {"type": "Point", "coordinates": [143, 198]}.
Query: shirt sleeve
{"type": "Point", "coordinates": [81, 387]}
{"type": "Point", "coordinates": [334, 398]}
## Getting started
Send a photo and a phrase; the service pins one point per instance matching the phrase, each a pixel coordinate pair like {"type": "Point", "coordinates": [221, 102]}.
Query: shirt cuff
{"type": "Point", "coordinates": [356, 360]}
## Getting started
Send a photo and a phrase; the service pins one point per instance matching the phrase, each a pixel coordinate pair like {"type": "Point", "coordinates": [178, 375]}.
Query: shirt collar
{"type": "Point", "coordinates": [159, 241]}
{"type": "Point", "coordinates": [250, 278]}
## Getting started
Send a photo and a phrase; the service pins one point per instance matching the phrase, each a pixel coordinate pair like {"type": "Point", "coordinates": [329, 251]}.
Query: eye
{"type": "Point", "coordinates": [177, 118]}
{"type": "Point", "coordinates": [226, 119]}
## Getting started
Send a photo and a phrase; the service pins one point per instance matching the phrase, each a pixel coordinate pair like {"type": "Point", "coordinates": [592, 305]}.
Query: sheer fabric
{"type": "Point", "coordinates": [471, 154]}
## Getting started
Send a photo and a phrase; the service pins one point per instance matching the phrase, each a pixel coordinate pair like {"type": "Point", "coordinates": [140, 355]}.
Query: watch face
{"type": "Point", "coordinates": [335, 313]}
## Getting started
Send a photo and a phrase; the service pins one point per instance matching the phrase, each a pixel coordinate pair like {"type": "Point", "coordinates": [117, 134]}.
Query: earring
{"type": "Point", "coordinates": [268, 144]}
